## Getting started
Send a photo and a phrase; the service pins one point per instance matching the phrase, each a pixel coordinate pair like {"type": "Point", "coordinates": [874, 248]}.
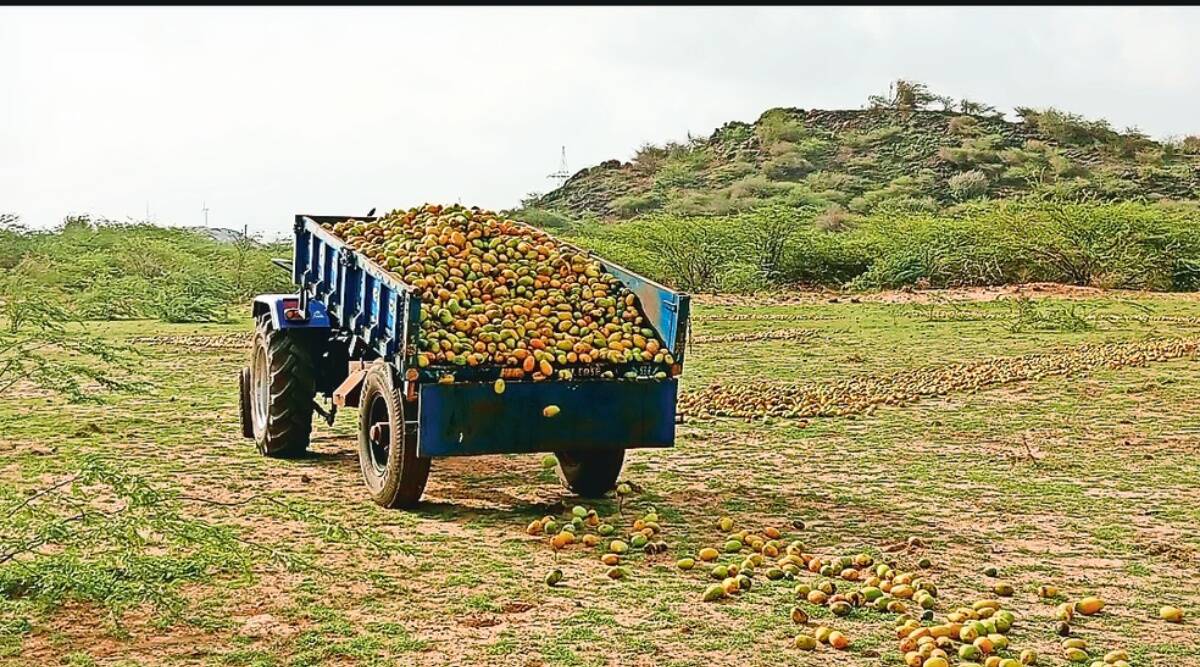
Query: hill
{"type": "Point", "coordinates": [897, 154]}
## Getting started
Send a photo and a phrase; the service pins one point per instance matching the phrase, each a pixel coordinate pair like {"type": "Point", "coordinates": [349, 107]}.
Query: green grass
{"type": "Point", "coordinates": [1086, 482]}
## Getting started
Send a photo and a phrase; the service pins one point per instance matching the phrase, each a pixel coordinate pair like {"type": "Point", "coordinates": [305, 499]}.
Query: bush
{"type": "Point", "coordinates": [981, 243]}
{"type": "Point", "coordinates": [780, 125]}
{"type": "Point", "coordinates": [543, 219]}
{"type": "Point", "coordinates": [631, 205]}
{"type": "Point", "coordinates": [968, 185]}
{"type": "Point", "coordinates": [963, 126]}
{"type": "Point", "coordinates": [105, 270]}
{"type": "Point", "coordinates": [1068, 128]}
{"type": "Point", "coordinates": [787, 167]}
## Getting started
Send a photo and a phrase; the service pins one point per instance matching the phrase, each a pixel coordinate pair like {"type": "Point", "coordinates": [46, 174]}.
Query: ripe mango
{"type": "Point", "coordinates": [1171, 614]}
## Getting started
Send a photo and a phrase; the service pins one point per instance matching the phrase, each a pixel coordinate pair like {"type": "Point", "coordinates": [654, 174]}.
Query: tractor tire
{"type": "Point", "coordinates": [589, 474]}
{"type": "Point", "coordinates": [244, 403]}
{"type": "Point", "coordinates": [387, 447]}
{"type": "Point", "coordinates": [282, 389]}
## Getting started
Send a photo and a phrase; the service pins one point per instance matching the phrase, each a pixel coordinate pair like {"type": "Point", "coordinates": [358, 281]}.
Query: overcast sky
{"type": "Point", "coordinates": [266, 112]}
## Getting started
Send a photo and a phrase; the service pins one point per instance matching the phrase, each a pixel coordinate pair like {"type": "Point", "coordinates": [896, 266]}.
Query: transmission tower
{"type": "Point", "coordinates": [562, 174]}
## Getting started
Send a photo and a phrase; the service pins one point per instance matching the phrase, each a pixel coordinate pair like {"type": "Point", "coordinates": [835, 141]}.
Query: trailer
{"type": "Point", "coordinates": [349, 335]}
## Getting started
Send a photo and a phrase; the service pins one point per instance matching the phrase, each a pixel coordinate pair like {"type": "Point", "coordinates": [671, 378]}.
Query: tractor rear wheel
{"type": "Point", "coordinates": [387, 442]}
{"type": "Point", "coordinates": [590, 474]}
{"type": "Point", "coordinates": [282, 388]}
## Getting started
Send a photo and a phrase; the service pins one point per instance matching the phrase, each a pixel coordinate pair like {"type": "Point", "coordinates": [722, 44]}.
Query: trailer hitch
{"type": "Point", "coordinates": [327, 415]}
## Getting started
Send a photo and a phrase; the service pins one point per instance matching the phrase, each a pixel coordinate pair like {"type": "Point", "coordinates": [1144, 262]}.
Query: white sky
{"type": "Point", "coordinates": [267, 112]}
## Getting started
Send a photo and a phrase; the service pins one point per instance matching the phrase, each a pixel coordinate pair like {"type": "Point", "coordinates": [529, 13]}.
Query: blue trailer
{"type": "Point", "coordinates": [350, 335]}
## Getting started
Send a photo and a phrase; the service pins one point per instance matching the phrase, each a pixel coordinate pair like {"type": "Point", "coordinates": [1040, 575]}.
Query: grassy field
{"type": "Point", "coordinates": [1087, 481]}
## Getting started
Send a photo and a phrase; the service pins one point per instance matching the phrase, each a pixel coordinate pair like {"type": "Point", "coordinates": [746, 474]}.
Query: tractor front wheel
{"type": "Point", "coordinates": [590, 474]}
{"type": "Point", "coordinates": [282, 388]}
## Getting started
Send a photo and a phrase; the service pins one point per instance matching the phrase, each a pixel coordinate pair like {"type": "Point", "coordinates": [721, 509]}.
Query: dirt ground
{"type": "Point", "coordinates": [1084, 480]}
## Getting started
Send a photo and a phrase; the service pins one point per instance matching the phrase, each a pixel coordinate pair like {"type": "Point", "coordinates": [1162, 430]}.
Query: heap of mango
{"type": "Point", "coordinates": [495, 291]}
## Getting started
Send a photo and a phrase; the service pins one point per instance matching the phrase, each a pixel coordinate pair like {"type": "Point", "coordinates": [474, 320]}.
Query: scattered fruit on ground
{"type": "Point", "coordinates": [1171, 614]}
{"type": "Point", "coordinates": [1089, 606]}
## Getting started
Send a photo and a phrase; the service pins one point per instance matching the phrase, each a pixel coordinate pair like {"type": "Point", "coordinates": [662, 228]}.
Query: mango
{"type": "Point", "coordinates": [618, 572]}
{"type": "Point", "coordinates": [805, 642]}
{"type": "Point", "coordinates": [550, 411]}
{"type": "Point", "coordinates": [1171, 614]}
{"type": "Point", "coordinates": [685, 563]}
{"type": "Point", "coordinates": [1089, 606]}
{"type": "Point", "coordinates": [709, 554]}
{"type": "Point", "coordinates": [553, 577]}
{"type": "Point", "coordinates": [713, 593]}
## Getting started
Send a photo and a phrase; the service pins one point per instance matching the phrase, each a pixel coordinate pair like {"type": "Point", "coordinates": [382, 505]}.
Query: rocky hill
{"type": "Point", "coordinates": [852, 162]}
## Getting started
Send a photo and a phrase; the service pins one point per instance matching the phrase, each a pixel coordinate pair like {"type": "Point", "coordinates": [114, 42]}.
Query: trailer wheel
{"type": "Point", "coordinates": [244, 403]}
{"type": "Point", "coordinates": [590, 474]}
{"type": "Point", "coordinates": [282, 388]}
{"type": "Point", "coordinates": [387, 447]}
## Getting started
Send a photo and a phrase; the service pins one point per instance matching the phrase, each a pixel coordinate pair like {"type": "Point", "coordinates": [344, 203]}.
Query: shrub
{"type": "Point", "coordinates": [630, 205]}
{"type": "Point", "coordinates": [732, 171]}
{"type": "Point", "coordinates": [968, 185]}
{"type": "Point", "coordinates": [1068, 128]}
{"type": "Point", "coordinates": [700, 203]}
{"type": "Point", "coordinates": [755, 187]}
{"type": "Point", "coordinates": [787, 167]}
{"type": "Point", "coordinates": [963, 126]}
{"type": "Point", "coordinates": [780, 125]}
{"type": "Point", "coordinates": [543, 218]}
{"type": "Point", "coordinates": [834, 219]}
{"type": "Point", "coordinates": [106, 270]}
{"type": "Point", "coordinates": [648, 159]}
{"type": "Point", "coordinates": [1191, 145]}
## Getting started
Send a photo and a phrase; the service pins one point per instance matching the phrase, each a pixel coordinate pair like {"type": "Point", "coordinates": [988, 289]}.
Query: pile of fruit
{"type": "Point", "coordinates": [497, 292]}
{"type": "Point", "coordinates": [221, 341]}
{"type": "Point", "coordinates": [761, 317]}
{"type": "Point", "coordinates": [861, 395]}
{"type": "Point", "coordinates": [786, 334]}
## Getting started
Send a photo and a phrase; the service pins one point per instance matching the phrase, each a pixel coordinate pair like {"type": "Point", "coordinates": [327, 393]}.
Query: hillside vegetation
{"type": "Point", "coordinates": [897, 194]}
{"type": "Point", "coordinates": [900, 153]}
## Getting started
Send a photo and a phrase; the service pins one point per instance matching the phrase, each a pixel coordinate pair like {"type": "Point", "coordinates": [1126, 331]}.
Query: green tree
{"type": "Point", "coordinates": [41, 343]}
